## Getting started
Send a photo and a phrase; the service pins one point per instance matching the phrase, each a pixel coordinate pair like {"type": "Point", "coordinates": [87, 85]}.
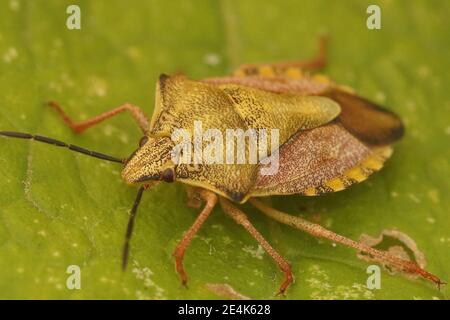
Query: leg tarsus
{"type": "Point", "coordinates": [289, 278]}
{"type": "Point", "coordinates": [440, 283]}
{"type": "Point", "coordinates": [78, 127]}
{"type": "Point", "coordinates": [210, 200]}
{"type": "Point", "coordinates": [242, 219]}
{"type": "Point", "coordinates": [316, 63]}
{"type": "Point", "coordinates": [320, 61]}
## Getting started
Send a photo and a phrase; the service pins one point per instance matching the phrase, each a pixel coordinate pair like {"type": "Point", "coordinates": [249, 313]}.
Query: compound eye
{"type": "Point", "coordinates": [143, 141]}
{"type": "Point", "coordinates": [168, 175]}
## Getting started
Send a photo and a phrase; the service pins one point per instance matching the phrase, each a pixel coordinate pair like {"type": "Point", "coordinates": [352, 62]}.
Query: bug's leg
{"type": "Point", "coordinates": [194, 199]}
{"type": "Point", "coordinates": [316, 63]}
{"type": "Point", "coordinates": [78, 127]}
{"type": "Point", "coordinates": [210, 200]}
{"type": "Point", "coordinates": [316, 230]}
{"type": "Point", "coordinates": [277, 68]}
{"type": "Point", "coordinates": [242, 219]}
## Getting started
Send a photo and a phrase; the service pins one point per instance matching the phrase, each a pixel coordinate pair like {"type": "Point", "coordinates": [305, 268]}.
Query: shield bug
{"type": "Point", "coordinates": [329, 139]}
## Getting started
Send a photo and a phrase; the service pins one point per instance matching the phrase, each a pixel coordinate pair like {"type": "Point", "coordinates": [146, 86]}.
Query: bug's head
{"type": "Point", "coordinates": [150, 162]}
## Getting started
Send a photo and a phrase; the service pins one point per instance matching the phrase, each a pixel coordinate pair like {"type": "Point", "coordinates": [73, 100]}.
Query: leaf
{"type": "Point", "coordinates": [59, 208]}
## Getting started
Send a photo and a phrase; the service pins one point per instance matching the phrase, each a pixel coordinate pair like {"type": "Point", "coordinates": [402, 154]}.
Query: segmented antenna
{"type": "Point", "coordinates": [57, 143]}
{"type": "Point", "coordinates": [126, 245]}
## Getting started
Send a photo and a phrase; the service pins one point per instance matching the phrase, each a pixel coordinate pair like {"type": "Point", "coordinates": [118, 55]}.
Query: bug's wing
{"type": "Point", "coordinates": [324, 159]}
{"type": "Point", "coordinates": [288, 113]}
{"type": "Point", "coordinates": [366, 120]}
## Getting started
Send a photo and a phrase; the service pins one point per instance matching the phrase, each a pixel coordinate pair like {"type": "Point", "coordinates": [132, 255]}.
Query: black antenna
{"type": "Point", "coordinates": [21, 135]}
{"type": "Point", "coordinates": [126, 245]}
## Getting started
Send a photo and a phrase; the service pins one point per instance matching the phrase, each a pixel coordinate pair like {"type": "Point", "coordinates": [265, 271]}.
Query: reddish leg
{"type": "Point", "coordinates": [318, 62]}
{"type": "Point", "coordinates": [242, 219]}
{"type": "Point", "coordinates": [316, 230]}
{"type": "Point", "coordinates": [210, 199]}
{"type": "Point", "coordinates": [137, 114]}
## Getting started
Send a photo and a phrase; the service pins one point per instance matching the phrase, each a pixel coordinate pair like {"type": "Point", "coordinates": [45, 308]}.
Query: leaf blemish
{"type": "Point", "coordinates": [97, 87]}
{"type": "Point", "coordinates": [256, 253]}
{"type": "Point", "coordinates": [10, 55]}
{"type": "Point", "coordinates": [212, 59]}
{"type": "Point", "coordinates": [324, 290]}
{"type": "Point", "coordinates": [146, 276]}
{"type": "Point", "coordinates": [224, 290]}
{"type": "Point", "coordinates": [14, 5]}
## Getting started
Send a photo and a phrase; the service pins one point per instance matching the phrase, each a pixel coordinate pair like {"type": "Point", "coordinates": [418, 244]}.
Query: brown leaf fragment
{"type": "Point", "coordinates": [406, 242]}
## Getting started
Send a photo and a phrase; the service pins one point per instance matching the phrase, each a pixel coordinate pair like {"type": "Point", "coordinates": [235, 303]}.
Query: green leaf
{"type": "Point", "coordinates": [59, 208]}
